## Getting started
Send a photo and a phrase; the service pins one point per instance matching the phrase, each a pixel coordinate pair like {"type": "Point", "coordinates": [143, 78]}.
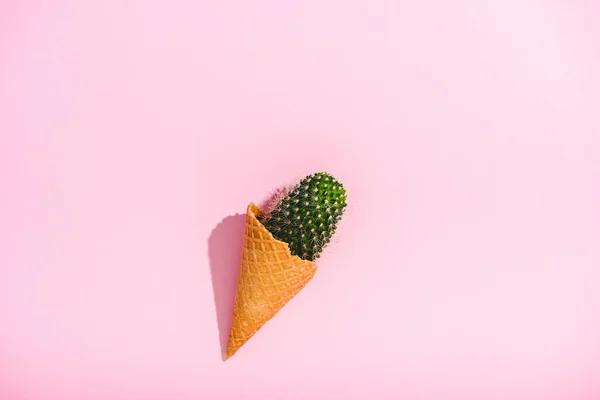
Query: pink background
{"type": "Point", "coordinates": [134, 133]}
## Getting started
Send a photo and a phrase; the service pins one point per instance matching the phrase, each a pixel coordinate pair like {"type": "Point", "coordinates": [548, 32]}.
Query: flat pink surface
{"type": "Point", "coordinates": [134, 133]}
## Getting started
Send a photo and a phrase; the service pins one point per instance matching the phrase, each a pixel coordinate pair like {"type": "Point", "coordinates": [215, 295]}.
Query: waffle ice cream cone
{"type": "Point", "coordinates": [269, 277]}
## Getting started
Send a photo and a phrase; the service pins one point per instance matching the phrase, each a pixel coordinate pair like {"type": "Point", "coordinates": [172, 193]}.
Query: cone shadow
{"type": "Point", "coordinates": [224, 253]}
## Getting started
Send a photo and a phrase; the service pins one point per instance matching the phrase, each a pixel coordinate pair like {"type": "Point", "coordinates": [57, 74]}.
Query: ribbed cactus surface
{"type": "Point", "coordinates": [307, 217]}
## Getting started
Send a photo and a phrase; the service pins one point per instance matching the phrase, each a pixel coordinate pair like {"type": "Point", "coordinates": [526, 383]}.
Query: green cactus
{"type": "Point", "coordinates": [307, 217]}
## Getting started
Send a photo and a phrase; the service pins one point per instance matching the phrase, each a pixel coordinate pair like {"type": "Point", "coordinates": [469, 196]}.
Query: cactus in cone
{"type": "Point", "coordinates": [279, 250]}
{"type": "Point", "coordinates": [308, 215]}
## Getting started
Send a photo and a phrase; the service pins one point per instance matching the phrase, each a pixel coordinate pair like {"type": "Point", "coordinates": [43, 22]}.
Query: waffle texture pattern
{"type": "Point", "coordinates": [269, 277]}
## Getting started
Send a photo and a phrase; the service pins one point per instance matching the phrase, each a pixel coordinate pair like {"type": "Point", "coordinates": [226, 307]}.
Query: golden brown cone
{"type": "Point", "coordinates": [269, 277]}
